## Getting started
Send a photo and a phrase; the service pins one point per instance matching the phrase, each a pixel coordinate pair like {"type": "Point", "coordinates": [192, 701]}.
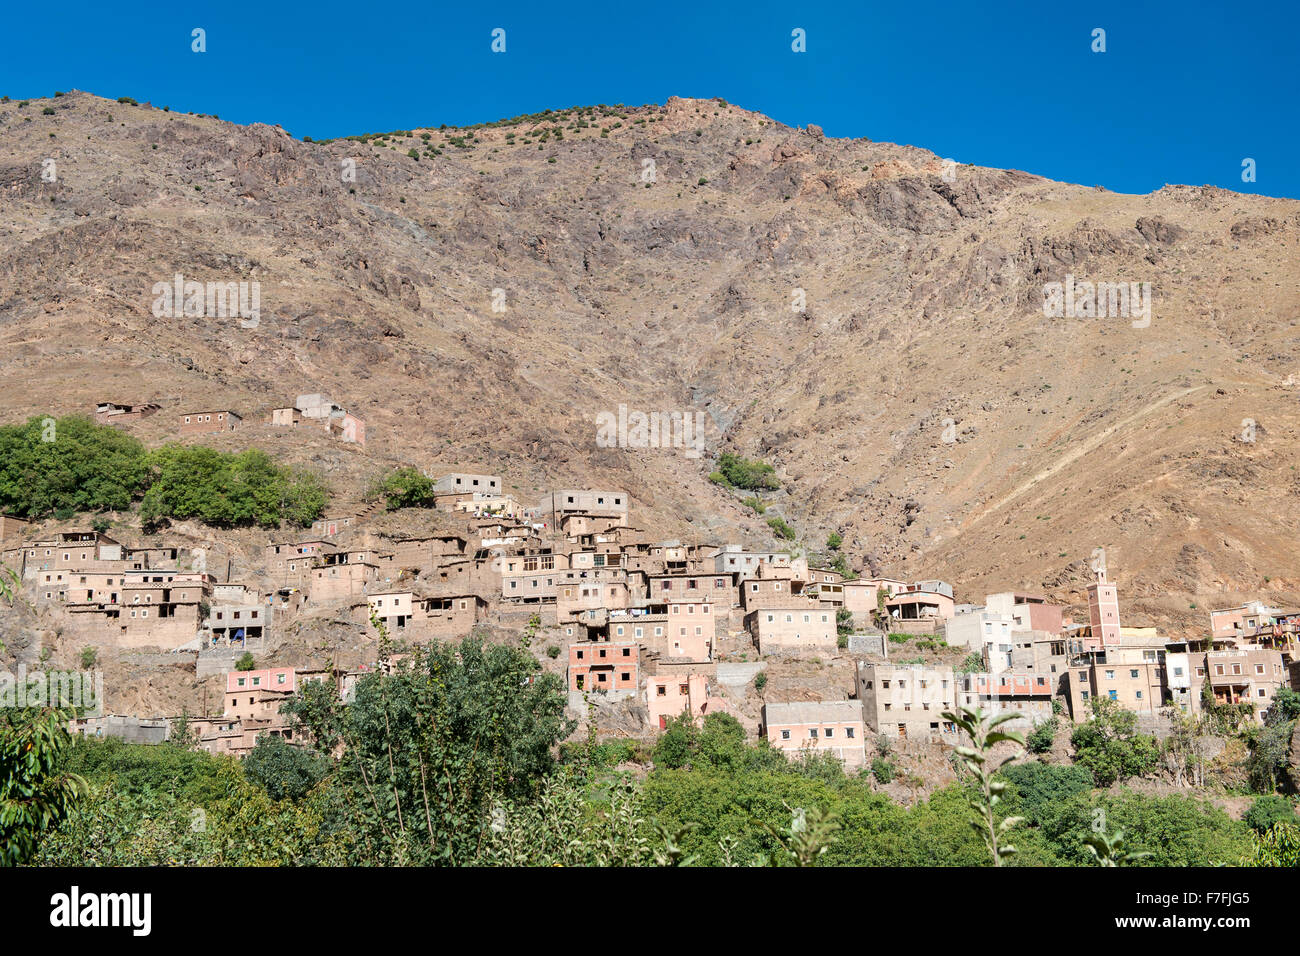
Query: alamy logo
{"type": "Point", "coordinates": [655, 430]}
{"type": "Point", "coordinates": [73, 909]}
{"type": "Point", "coordinates": [80, 689]}
{"type": "Point", "coordinates": [213, 300]}
{"type": "Point", "coordinates": [1098, 300]}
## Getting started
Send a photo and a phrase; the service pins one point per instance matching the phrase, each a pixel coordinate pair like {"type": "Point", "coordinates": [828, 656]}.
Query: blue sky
{"type": "Point", "coordinates": [1184, 92]}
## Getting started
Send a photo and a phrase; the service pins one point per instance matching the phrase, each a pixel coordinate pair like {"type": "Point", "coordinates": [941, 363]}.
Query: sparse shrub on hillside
{"type": "Point", "coordinates": [245, 662]}
{"type": "Point", "coordinates": [755, 504]}
{"type": "Point", "coordinates": [48, 111]}
{"type": "Point", "coordinates": [747, 474]}
{"type": "Point", "coordinates": [834, 540]}
{"type": "Point", "coordinates": [782, 529]}
{"type": "Point", "coordinates": [129, 101]}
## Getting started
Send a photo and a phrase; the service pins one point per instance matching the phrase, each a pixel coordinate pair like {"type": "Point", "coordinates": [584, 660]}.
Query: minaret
{"type": "Point", "coordinates": [1103, 611]}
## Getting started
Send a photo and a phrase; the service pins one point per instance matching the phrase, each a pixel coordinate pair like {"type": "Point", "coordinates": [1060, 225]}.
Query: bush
{"type": "Point", "coordinates": [882, 770]}
{"type": "Point", "coordinates": [285, 772]}
{"type": "Point", "coordinates": [834, 540]}
{"type": "Point", "coordinates": [1041, 739]}
{"type": "Point", "coordinates": [245, 662]}
{"type": "Point", "coordinates": [782, 529]}
{"type": "Point", "coordinates": [88, 657]}
{"type": "Point", "coordinates": [1268, 810]}
{"type": "Point", "coordinates": [748, 474]}
{"type": "Point", "coordinates": [553, 651]}
{"type": "Point", "coordinates": [760, 681]}
{"type": "Point", "coordinates": [1041, 786]}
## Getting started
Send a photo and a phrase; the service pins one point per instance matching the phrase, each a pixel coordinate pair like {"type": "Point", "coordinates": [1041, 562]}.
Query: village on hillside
{"type": "Point", "coordinates": [653, 629]}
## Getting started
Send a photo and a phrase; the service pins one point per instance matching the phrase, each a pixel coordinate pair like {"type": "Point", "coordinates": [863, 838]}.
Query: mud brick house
{"type": "Point", "coordinates": [317, 411]}
{"type": "Point", "coordinates": [824, 726]}
{"type": "Point", "coordinates": [922, 607]}
{"type": "Point", "coordinates": [648, 626]}
{"type": "Point", "coordinates": [341, 576]}
{"type": "Point", "coordinates": [420, 617]}
{"type": "Point", "coordinates": [691, 629]}
{"type": "Point", "coordinates": [531, 577]}
{"type": "Point", "coordinates": [207, 423]}
{"type": "Point", "coordinates": [290, 564]}
{"type": "Point", "coordinates": [116, 414]}
{"type": "Point", "coordinates": [792, 628]}
{"type": "Point", "coordinates": [458, 488]}
{"type": "Point", "coordinates": [907, 702]}
{"type": "Point", "coordinates": [670, 695]}
{"type": "Point", "coordinates": [718, 588]}
{"type": "Point", "coordinates": [11, 526]}
{"type": "Point", "coordinates": [590, 590]}
{"type": "Point", "coordinates": [234, 625]}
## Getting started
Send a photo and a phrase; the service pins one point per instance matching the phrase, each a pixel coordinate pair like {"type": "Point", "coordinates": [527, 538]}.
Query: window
{"type": "Point", "coordinates": [1110, 675]}
{"type": "Point", "coordinates": [848, 732]}
{"type": "Point", "coordinates": [812, 733]}
{"type": "Point", "coordinates": [1133, 673]}
{"type": "Point", "coordinates": [830, 731]}
{"type": "Point", "coordinates": [785, 735]}
{"type": "Point", "coordinates": [1114, 695]}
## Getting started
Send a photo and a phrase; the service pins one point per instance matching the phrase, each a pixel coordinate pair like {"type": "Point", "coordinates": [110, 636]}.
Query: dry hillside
{"type": "Point", "coordinates": [923, 303]}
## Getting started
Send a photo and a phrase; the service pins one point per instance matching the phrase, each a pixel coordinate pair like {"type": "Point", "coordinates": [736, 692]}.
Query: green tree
{"type": "Point", "coordinates": [431, 744]}
{"type": "Point", "coordinates": [246, 662]}
{"type": "Point", "coordinates": [1109, 745]}
{"type": "Point", "coordinates": [35, 795]}
{"type": "Point", "coordinates": [284, 771]}
{"type": "Point", "coordinates": [68, 464]}
{"type": "Point", "coordinates": [1268, 810]}
{"type": "Point", "coordinates": [406, 488]}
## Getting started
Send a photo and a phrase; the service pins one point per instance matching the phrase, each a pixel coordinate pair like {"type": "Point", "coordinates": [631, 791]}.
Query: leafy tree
{"type": "Point", "coordinates": [1109, 745]}
{"type": "Point", "coordinates": [1040, 786]}
{"type": "Point", "coordinates": [1285, 707]}
{"type": "Point", "coordinates": [431, 744]}
{"type": "Point", "coordinates": [834, 541]}
{"type": "Point", "coordinates": [228, 490]}
{"type": "Point", "coordinates": [677, 744]}
{"type": "Point", "coordinates": [35, 796]}
{"type": "Point", "coordinates": [246, 662]}
{"type": "Point", "coordinates": [1277, 846]}
{"type": "Point", "coordinates": [406, 488]}
{"type": "Point", "coordinates": [283, 770]}
{"type": "Point", "coordinates": [70, 464]}
{"type": "Point", "coordinates": [1270, 755]}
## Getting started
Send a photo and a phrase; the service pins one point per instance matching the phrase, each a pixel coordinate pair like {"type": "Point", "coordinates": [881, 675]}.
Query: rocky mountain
{"type": "Point", "coordinates": [867, 317]}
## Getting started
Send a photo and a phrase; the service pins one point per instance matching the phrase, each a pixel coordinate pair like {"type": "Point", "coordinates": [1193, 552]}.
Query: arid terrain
{"type": "Point", "coordinates": [923, 286]}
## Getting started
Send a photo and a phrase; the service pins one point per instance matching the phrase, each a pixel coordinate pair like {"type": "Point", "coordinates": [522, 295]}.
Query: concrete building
{"type": "Point", "coordinates": [827, 726]}
{"type": "Point", "coordinates": [907, 702]}
{"type": "Point", "coordinates": [1249, 674]}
